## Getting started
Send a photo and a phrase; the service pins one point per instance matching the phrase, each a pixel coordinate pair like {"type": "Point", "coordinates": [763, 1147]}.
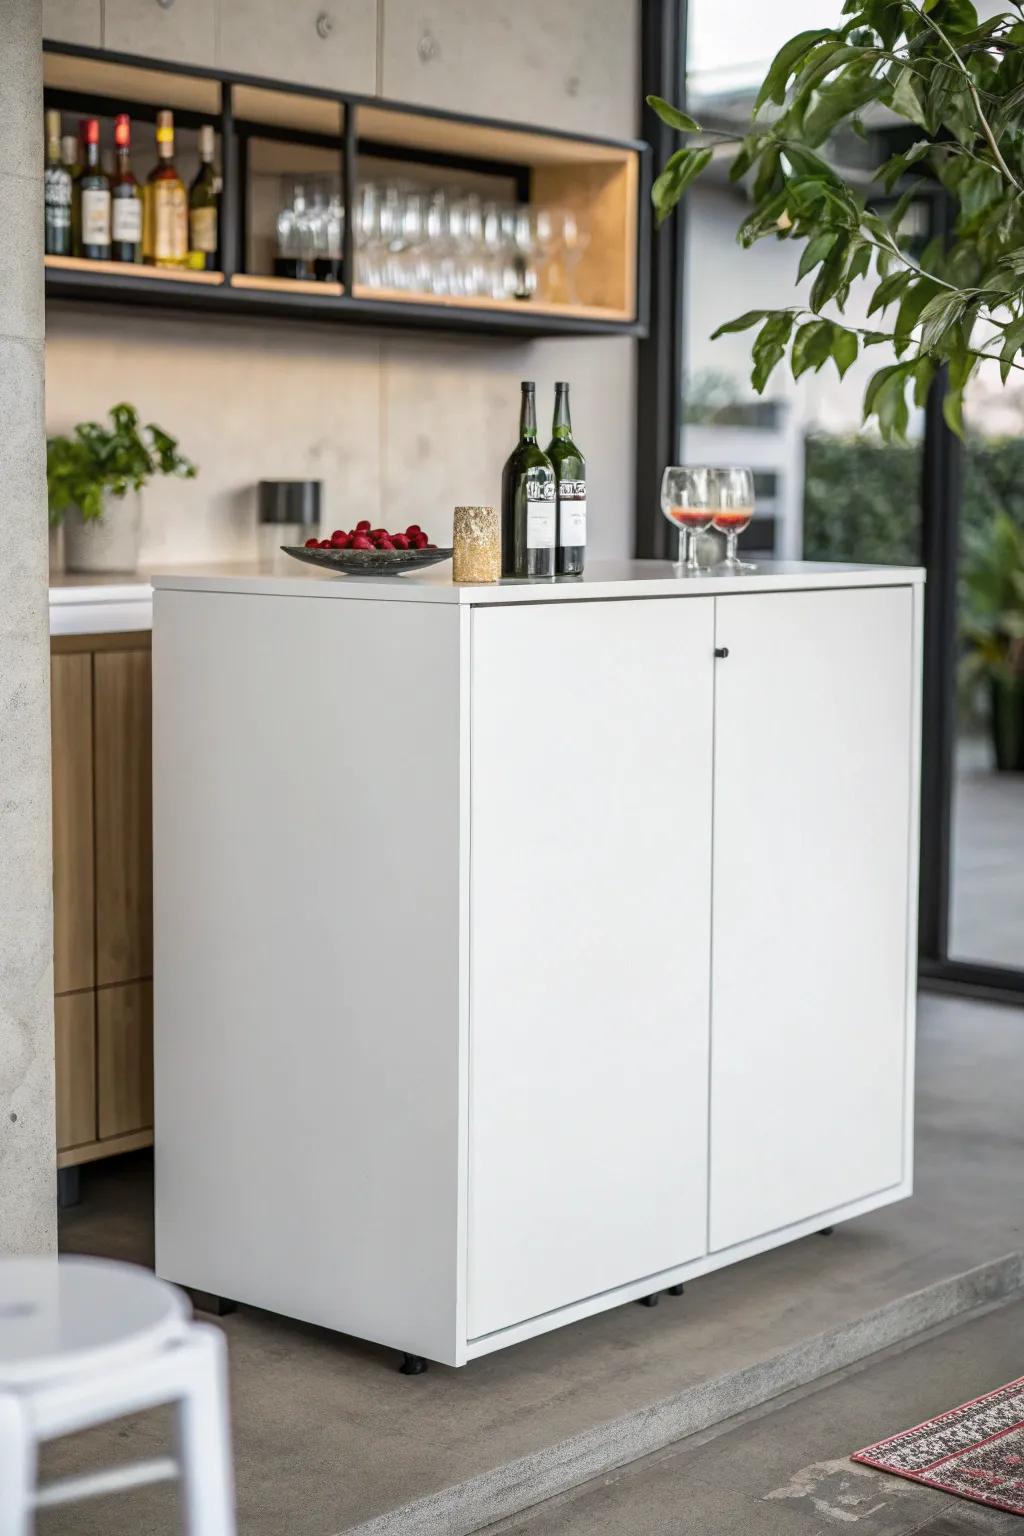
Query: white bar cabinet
{"type": "Point", "coordinates": [525, 950]}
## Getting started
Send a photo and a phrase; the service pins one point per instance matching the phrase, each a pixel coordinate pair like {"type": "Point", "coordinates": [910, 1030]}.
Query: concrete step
{"type": "Point", "coordinates": [473, 1503]}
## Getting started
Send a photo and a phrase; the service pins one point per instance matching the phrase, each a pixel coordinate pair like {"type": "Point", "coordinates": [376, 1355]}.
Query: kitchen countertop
{"type": "Point", "coordinates": [89, 605]}
{"type": "Point", "coordinates": [623, 578]}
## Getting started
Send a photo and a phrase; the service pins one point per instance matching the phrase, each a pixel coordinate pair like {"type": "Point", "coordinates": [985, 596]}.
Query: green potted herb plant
{"type": "Point", "coordinates": [993, 590]}
{"type": "Point", "coordinates": [95, 477]}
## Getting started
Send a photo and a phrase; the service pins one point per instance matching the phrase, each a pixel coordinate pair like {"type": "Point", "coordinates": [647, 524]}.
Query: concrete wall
{"type": "Point", "coordinates": [398, 429]}
{"type": "Point", "coordinates": [27, 1186]}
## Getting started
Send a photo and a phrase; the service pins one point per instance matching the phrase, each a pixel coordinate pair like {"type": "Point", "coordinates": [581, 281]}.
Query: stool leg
{"type": "Point", "coordinates": [204, 1436]}
{"type": "Point", "coordinates": [17, 1469]}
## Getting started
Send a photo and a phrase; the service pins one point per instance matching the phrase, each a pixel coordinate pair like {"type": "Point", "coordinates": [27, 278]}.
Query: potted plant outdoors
{"type": "Point", "coordinates": [957, 84]}
{"type": "Point", "coordinates": [993, 586]}
{"type": "Point", "coordinates": [94, 481]}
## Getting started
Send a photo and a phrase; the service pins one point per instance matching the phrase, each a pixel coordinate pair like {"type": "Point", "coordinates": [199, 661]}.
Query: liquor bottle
{"type": "Point", "coordinates": [204, 205]}
{"type": "Point", "coordinates": [528, 500]}
{"type": "Point", "coordinates": [165, 204]}
{"type": "Point", "coordinates": [126, 198]}
{"type": "Point", "coordinates": [94, 193]}
{"type": "Point", "coordinates": [72, 164]}
{"type": "Point", "coordinates": [571, 476]}
{"type": "Point", "coordinates": [56, 193]}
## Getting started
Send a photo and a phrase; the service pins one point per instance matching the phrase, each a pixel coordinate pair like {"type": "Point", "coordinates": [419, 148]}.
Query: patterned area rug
{"type": "Point", "coordinates": [975, 1451]}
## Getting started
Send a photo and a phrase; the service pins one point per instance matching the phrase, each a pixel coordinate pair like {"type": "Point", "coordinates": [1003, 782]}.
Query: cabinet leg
{"type": "Point", "coordinates": [677, 1290]}
{"type": "Point", "coordinates": [826, 1231]}
{"type": "Point", "coordinates": [649, 1301]}
{"type": "Point", "coordinates": [412, 1365]}
{"type": "Point", "coordinates": [69, 1187]}
{"type": "Point", "coordinates": [206, 1301]}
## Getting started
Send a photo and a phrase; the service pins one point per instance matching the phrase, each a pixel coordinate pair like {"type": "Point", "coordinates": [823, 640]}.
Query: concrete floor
{"type": "Point", "coordinates": [784, 1470]}
{"type": "Point", "coordinates": [329, 1438]}
{"type": "Point", "coordinates": [986, 890]}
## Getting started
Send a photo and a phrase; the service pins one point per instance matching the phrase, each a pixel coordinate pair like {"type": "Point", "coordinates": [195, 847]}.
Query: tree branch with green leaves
{"type": "Point", "coordinates": [959, 83]}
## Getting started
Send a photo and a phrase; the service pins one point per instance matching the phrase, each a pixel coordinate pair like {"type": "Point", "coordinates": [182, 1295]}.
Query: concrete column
{"type": "Point", "coordinates": [27, 1181]}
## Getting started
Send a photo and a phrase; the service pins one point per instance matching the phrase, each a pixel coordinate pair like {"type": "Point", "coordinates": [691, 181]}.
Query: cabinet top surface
{"type": "Point", "coordinates": [610, 579]}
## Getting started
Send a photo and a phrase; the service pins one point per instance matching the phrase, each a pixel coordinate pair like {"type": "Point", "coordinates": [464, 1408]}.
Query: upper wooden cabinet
{"type": "Point", "coordinates": [328, 43]}
{"type": "Point", "coordinates": [181, 31]}
{"type": "Point", "coordinates": [73, 21]}
{"type": "Point", "coordinates": [532, 62]}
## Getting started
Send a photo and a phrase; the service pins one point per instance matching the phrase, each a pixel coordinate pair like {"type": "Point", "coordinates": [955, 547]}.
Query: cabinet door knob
{"type": "Point", "coordinates": [721, 651]}
{"type": "Point", "coordinates": [324, 25]}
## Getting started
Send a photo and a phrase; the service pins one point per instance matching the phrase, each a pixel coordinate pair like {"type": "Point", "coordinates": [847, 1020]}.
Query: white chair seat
{"type": "Point", "coordinates": [68, 1318]}
{"type": "Point", "coordinates": [84, 1341]}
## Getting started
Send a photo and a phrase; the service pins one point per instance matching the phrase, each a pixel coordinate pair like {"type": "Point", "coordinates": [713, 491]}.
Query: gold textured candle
{"type": "Point", "coordinates": [476, 553]}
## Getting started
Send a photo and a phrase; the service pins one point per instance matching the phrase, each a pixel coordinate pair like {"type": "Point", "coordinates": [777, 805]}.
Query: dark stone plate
{"type": "Point", "coordinates": [369, 562]}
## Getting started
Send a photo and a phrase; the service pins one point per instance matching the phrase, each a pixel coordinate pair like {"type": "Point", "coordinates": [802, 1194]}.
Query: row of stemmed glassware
{"type": "Point", "coordinates": [446, 243]}
{"type": "Point", "coordinates": [697, 497]}
{"type": "Point", "coordinates": [435, 241]}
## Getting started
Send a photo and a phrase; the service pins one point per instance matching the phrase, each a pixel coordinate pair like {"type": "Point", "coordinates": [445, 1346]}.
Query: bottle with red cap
{"type": "Point", "coordinates": [125, 198]}
{"type": "Point", "coordinates": [94, 192]}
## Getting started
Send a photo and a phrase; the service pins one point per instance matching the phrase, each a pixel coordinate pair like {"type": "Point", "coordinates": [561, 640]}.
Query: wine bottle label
{"type": "Point", "coordinates": [57, 197]}
{"type": "Point", "coordinates": [96, 217]}
{"type": "Point", "coordinates": [126, 219]}
{"type": "Point", "coordinates": [170, 209]}
{"type": "Point", "coordinates": [203, 223]}
{"type": "Point", "coordinates": [572, 513]}
{"type": "Point", "coordinates": [540, 515]}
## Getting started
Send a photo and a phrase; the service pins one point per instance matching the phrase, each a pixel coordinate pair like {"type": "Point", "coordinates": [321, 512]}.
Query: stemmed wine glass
{"type": "Point", "coordinates": [689, 500]}
{"type": "Point", "coordinates": [735, 509]}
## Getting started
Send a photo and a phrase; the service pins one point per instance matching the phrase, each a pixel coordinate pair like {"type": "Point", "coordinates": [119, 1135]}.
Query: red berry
{"type": "Point", "coordinates": [360, 541]}
{"type": "Point", "coordinates": [340, 540]}
{"type": "Point", "coordinates": [400, 540]}
{"type": "Point", "coordinates": [337, 533]}
{"type": "Point", "coordinates": [413, 529]}
{"type": "Point", "coordinates": [325, 544]}
{"type": "Point", "coordinates": [312, 543]}
{"type": "Point", "coordinates": [431, 546]}
{"type": "Point", "coordinates": [420, 541]}
{"type": "Point", "coordinates": [363, 526]}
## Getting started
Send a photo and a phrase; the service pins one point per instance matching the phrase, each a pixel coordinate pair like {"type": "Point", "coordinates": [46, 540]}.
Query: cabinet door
{"type": "Point", "coordinates": [183, 31]}
{"type": "Point", "coordinates": [813, 795]}
{"type": "Point", "coordinates": [589, 954]}
{"type": "Point", "coordinates": [75, 1068]}
{"type": "Point", "coordinates": [72, 746]}
{"type": "Point", "coordinates": [533, 63]}
{"type": "Point", "coordinates": [331, 43]}
{"type": "Point", "coordinates": [124, 1048]}
{"type": "Point", "coordinates": [73, 21]}
{"type": "Point", "coordinates": [124, 815]}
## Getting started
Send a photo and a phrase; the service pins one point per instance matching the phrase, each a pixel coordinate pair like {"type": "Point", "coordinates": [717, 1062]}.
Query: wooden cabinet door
{"type": "Point", "coordinates": [124, 815]}
{"type": "Point", "coordinates": [185, 32]}
{"type": "Point", "coordinates": [330, 43]}
{"type": "Point", "coordinates": [124, 1047]}
{"type": "Point", "coordinates": [75, 1068]}
{"type": "Point", "coordinates": [591, 738]}
{"type": "Point", "coordinates": [814, 756]}
{"type": "Point", "coordinates": [72, 756]}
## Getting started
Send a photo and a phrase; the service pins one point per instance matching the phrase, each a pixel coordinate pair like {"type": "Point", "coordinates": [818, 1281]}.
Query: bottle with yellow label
{"type": "Point", "coordinates": [165, 205]}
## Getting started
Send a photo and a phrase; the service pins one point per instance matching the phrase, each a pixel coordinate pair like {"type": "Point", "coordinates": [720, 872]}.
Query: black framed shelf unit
{"type": "Point", "coordinates": [265, 128]}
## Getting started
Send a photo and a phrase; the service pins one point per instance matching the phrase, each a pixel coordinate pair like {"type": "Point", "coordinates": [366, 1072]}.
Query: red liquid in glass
{"type": "Point", "coordinates": [734, 520]}
{"type": "Point", "coordinates": [690, 517]}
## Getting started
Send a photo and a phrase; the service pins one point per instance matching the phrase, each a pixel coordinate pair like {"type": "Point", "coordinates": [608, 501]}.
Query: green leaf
{"type": "Point", "coordinates": [842, 96]}
{"type": "Point", "coordinates": [815, 251]}
{"type": "Point", "coordinates": [830, 276]}
{"type": "Point", "coordinates": [939, 316]}
{"type": "Point", "coordinates": [1013, 340]}
{"type": "Point", "coordinates": [672, 115]}
{"type": "Point", "coordinates": [905, 99]}
{"type": "Point", "coordinates": [890, 289]}
{"type": "Point", "coordinates": [812, 346]}
{"type": "Point", "coordinates": [683, 168]}
{"type": "Point", "coordinates": [844, 348]}
{"type": "Point", "coordinates": [953, 411]}
{"type": "Point", "coordinates": [785, 62]}
{"type": "Point", "coordinates": [741, 323]}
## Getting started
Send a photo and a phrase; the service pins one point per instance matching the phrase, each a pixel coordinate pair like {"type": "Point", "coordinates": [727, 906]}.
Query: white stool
{"type": "Point", "coordinates": [83, 1341]}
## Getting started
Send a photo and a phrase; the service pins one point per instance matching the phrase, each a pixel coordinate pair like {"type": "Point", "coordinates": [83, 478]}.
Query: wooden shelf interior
{"type": "Point", "coordinates": [139, 88]}
{"type": "Point", "coordinates": [129, 269]}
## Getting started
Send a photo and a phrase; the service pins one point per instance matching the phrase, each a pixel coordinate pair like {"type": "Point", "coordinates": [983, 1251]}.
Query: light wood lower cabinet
{"type": "Point", "coordinates": [102, 886]}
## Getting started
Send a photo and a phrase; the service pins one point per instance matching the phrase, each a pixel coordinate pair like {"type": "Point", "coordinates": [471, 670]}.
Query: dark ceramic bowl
{"type": "Point", "coordinates": [369, 562]}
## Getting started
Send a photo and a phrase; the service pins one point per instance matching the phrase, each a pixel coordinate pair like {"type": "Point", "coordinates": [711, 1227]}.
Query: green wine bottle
{"type": "Point", "coordinates": [204, 205]}
{"type": "Point", "coordinates": [571, 476]}
{"type": "Point", "coordinates": [56, 193]}
{"type": "Point", "coordinates": [528, 500]}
